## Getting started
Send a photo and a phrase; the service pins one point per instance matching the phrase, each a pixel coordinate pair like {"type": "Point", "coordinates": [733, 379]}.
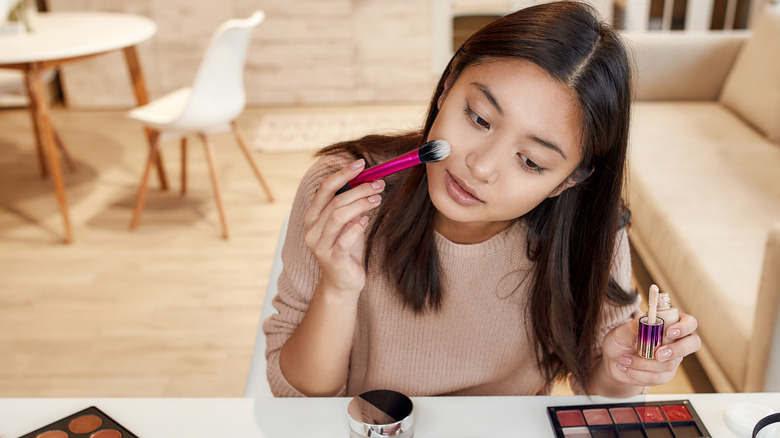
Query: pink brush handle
{"type": "Point", "coordinates": [379, 171]}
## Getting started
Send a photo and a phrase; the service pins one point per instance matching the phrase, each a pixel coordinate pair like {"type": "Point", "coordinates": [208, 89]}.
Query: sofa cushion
{"type": "Point", "coordinates": [752, 88]}
{"type": "Point", "coordinates": [704, 192]}
{"type": "Point", "coordinates": [682, 66]}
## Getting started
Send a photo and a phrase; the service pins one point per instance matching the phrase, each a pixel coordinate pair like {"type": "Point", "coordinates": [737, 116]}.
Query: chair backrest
{"type": "Point", "coordinates": [257, 381]}
{"type": "Point", "coordinates": [218, 91]}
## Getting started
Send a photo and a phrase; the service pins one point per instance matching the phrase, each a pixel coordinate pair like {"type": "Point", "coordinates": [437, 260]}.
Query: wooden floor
{"type": "Point", "coordinates": [169, 309]}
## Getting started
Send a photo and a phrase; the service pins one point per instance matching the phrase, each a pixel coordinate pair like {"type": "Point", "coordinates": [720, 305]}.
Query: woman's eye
{"type": "Point", "coordinates": [477, 119]}
{"type": "Point", "coordinates": [530, 164]}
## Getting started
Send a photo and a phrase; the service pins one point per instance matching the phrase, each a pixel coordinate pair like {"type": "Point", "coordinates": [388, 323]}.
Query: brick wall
{"type": "Point", "coordinates": [306, 52]}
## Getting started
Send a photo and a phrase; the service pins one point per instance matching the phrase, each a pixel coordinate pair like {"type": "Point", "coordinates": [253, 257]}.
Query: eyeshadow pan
{"type": "Point", "coordinates": [53, 434]}
{"type": "Point", "coordinates": [631, 432]}
{"type": "Point", "coordinates": [576, 432]}
{"type": "Point", "coordinates": [597, 416]}
{"type": "Point", "coordinates": [686, 431]}
{"type": "Point", "coordinates": [659, 432]}
{"type": "Point", "coordinates": [603, 433]}
{"type": "Point", "coordinates": [107, 433]}
{"type": "Point", "coordinates": [624, 415]}
{"type": "Point", "coordinates": [677, 413]}
{"type": "Point", "coordinates": [85, 424]}
{"type": "Point", "coordinates": [571, 418]}
{"type": "Point", "coordinates": [650, 414]}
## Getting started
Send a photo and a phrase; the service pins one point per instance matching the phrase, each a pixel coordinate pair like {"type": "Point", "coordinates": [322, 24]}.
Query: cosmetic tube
{"type": "Point", "coordinates": [669, 314]}
{"type": "Point", "coordinates": [650, 336]}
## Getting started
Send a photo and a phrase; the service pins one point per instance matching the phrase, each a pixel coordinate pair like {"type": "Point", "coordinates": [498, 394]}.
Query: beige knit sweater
{"type": "Point", "coordinates": [477, 344]}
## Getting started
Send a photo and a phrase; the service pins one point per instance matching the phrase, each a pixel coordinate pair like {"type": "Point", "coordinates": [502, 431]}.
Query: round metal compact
{"type": "Point", "coordinates": [381, 413]}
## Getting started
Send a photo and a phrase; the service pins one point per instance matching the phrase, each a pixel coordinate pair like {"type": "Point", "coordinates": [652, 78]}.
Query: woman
{"type": "Point", "coordinates": [495, 271]}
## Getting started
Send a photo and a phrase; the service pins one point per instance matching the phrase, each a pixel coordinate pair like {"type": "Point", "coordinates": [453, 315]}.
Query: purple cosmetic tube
{"type": "Point", "coordinates": [650, 336]}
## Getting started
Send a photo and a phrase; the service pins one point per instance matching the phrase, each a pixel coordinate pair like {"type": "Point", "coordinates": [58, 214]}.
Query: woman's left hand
{"type": "Point", "coordinates": [622, 363]}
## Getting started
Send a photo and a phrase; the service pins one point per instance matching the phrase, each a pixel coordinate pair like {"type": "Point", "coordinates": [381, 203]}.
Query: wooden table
{"type": "Point", "coordinates": [65, 37]}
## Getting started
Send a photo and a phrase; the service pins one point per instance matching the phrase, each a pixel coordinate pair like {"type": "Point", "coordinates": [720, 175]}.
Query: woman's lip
{"type": "Point", "coordinates": [460, 192]}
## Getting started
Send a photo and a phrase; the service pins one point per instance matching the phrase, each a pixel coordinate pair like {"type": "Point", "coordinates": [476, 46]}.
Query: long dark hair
{"type": "Point", "coordinates": [571, 237]}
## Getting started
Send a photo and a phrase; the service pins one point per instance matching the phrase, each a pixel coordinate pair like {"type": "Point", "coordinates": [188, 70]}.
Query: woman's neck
{"type": "Point", "coordinates": [467, 232]}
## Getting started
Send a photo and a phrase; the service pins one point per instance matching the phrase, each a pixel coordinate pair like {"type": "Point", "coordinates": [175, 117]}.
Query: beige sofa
{"type": "Point", "coordinates": [704, 189]}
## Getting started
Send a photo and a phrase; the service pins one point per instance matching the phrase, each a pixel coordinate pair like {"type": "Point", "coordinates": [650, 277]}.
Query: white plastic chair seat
{"type": "Point", "coordinates": [162, 112]}
{"type": "Point", "coordinates": [165, 114]}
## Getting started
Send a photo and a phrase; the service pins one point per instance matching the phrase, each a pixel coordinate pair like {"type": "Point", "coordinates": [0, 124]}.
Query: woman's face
{"type": "Point", "coordinates": [515, 136]}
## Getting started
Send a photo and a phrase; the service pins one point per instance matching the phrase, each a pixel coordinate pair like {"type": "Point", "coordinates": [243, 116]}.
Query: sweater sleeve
{"type": "Point", "coordinates": [299, 276]}
{"type": "Point", "coordinates": [614, 314]}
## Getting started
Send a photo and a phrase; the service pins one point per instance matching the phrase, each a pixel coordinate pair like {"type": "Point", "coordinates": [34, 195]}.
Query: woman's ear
{"type": "Point", "coordinates": [575, 178]}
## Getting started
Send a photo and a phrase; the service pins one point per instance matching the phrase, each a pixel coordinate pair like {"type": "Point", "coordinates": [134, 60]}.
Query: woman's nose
{"type": "Point", "coordinates": [483, 163]}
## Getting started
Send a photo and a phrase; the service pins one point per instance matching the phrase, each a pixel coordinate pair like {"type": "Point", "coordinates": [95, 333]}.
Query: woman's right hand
{"type": "Point", "coordinates": [335, 228]}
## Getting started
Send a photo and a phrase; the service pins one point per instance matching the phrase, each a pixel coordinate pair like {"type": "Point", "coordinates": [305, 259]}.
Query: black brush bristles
{"type": "Point", "coordinates": [433, 151]}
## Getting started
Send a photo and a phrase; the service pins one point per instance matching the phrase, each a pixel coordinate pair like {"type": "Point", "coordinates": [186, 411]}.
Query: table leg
{"type": "Point", "coordinates": [142, 98]}
{"type": "Point", "coordinates": [38, 101]}
{"type": "Point", "coordinates": [38, 133]}
{"type": "Point", "coordinates": [39, 141]}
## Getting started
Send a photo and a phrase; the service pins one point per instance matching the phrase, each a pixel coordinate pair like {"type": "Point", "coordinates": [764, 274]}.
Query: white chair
{"type": "Point", "coordinates": [257, 381]}
{"type": "Point", "coordinates": [211, 105]}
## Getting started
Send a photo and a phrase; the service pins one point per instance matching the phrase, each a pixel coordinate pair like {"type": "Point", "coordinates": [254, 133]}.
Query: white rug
{"type": "Point", "coordinates": [307, 130]}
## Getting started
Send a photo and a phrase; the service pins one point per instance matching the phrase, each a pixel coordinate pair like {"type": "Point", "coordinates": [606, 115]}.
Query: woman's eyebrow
{"type": "Point", "coordinates": [489, 96]}
{"type": "Point", "coordinates": [549, 145]}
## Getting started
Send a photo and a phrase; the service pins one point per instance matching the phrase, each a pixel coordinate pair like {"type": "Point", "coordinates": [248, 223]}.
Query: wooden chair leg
{"type": "Point", "coordinates": [183, 166]}
{"type": "Point", "coordinates": [150, 162]}
{"type": "Point", "coordinates": [248, 155]}
{"type": "Point", "coordinates": [215, 184]}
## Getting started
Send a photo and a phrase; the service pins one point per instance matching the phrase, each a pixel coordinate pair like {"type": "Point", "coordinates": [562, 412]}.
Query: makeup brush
{"type": "Point", "coordinates": [435, 150]}
{"type": "Point", "coordinates": [652, 303]}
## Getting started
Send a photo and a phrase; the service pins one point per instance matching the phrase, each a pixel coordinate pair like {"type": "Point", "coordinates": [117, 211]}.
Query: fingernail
{"type": "Point", "coordinates": [363, 220]}
{"type": "Point", "coordinates": [673, 333]}
{"type": "Point", "coordinates": [625, 360]}
{"type": "Point", "coordinates": [374, 199]}
{"type": "Point", "coordinates": [621, 367]}
{"type": "Point", "coordinates": [663, 353]}
{"type": "Point", "coordinates": [378, 184]}
{"type": "Point", "coordinates": [357, 164]}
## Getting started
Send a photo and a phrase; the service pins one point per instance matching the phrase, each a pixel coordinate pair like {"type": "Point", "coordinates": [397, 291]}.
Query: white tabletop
{"type": "Point", "coordinates": [436, 417]}
{"type": "Point", "coordinates": [60, 35]}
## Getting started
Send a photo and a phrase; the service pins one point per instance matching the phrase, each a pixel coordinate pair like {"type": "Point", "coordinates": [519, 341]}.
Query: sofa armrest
{"type": "Point", "coordinates": [763, 370]}
{"type": "Point", "coordinates": [682, 65]}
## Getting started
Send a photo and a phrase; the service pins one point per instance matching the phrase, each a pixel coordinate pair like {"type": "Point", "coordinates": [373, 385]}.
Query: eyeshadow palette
{"type": "Point", "coordinates": [88, 423]}
{"type": "Point", "coordinates": [663, 419]}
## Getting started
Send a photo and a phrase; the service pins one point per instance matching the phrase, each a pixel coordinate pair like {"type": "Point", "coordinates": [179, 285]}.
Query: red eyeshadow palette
{"type": "Point", "coordinates": [664, 419]}
{"type": "Point", "coordinates": [88, 423]}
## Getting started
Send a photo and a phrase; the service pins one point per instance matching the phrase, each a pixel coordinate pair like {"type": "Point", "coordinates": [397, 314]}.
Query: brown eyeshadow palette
{"type": "Point", "coordinates": [88, 423]}
{"type": "Point", "coordinates": [662, 419]}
